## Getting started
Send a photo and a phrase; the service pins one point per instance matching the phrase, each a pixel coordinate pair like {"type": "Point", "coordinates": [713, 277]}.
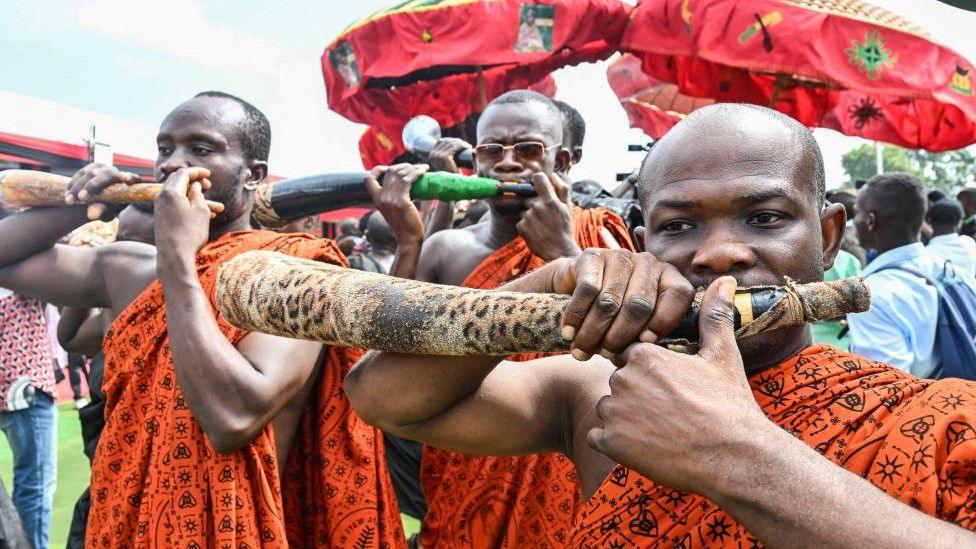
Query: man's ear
{"type": "Point", "coordinates": [640, 234]}
{"type": "Point", "coordinates": [564, 160]}
{"type": "Point", "coordinates": [833, 220]}
{"type": "Point", "coordinates": [258, 174]}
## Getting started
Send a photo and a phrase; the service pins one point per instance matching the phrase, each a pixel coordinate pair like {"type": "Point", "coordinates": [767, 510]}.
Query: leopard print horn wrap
{"type": "Point", "coordinates": [281, 295]}
{"type": "Point", "coordinates": [277, 294]}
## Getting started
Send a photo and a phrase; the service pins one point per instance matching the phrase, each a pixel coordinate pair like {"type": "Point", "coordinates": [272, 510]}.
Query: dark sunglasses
{"type": "Point", "coordinates": [525, 151]}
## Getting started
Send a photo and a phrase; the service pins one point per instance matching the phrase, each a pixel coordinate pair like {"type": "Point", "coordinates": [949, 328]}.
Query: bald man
{"type": "Point", "coordinates": [770, 439]}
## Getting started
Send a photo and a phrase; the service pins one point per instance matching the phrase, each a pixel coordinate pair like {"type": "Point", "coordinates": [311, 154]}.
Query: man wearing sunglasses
{"type": "Point", "coordinates": [528, 500]}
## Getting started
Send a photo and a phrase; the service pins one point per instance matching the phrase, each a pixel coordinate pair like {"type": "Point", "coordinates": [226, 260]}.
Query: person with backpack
{"type": "Point", "coordinates": [912, 292]}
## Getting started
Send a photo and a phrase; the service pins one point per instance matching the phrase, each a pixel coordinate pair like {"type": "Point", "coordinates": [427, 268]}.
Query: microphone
{"type": "Point", "coordinates": [421, 134]}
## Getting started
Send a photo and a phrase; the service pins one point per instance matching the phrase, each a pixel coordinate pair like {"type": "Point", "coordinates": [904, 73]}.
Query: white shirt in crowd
{"type": "Point", "coordinates": [899, 328]}
{"type": "Point", "coordinates": [958, 249]}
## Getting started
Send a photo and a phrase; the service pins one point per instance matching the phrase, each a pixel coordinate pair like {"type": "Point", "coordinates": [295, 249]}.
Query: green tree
{"type": "Point", "coordinates": [945, 170]}
{"type": "Point", "coordinates": [860, 163]}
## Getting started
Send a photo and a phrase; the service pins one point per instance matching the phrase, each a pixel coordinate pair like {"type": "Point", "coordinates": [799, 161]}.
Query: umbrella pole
{"type": "Point", "coordinates": [782, 79]}
{"type": "Point", "coordinates": [482, 93]}
{"type": "Point", "coordinates": [879, 157]}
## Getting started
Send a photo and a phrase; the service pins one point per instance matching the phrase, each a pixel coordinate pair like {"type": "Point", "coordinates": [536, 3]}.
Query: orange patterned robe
{"type": "Point", "coordinates": [157, 481]}
{"type": "Point", "coordinates": [913, 438]}
{"type": "Point", "coordinates": [523, 501]}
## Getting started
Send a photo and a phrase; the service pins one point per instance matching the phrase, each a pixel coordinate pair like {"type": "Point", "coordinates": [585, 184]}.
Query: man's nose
{"type": "Point", "coordinates": [722, 252]}
{"type": "Point", "coordinates": [174, 162]}
{"type": "Point", "coordinates": [508, 162]}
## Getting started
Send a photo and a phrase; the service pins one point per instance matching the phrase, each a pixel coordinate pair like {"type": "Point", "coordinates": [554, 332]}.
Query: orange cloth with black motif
{"type": "Point", "coordinates": [522, 501]}
{"type": "Point", "coordinates": [157, 481]}
{"type": "Point", "coordinates": [913, 438]}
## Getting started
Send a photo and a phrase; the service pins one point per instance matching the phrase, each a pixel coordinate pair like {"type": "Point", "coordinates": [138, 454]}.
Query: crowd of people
{"type": "Point", "coordinates": [200, 434]}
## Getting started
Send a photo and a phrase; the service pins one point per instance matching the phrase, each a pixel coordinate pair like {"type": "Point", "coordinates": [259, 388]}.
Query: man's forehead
{"type": "Point", "coordinates": [204, 115]}
{"type": "Point", "coordinates": [718, 156]}
{"type": "Point", "coordinates": [740, 191]}
{"type": "Point", "coordinates": [516, 121]}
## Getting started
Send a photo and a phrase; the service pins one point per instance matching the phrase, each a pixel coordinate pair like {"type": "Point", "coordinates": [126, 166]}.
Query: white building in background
{"type": "Point", "coordinates": [25, 115]}
{"type": "Point", "coordinates": [58, 137]}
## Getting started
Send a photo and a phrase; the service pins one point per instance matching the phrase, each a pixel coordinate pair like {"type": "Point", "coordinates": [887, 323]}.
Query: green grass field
{"type": "Point", "coordinates": [73, 475]}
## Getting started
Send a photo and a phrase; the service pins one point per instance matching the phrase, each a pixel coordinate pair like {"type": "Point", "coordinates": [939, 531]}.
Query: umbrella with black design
{"type": "Point", "coordinates": [448, 58]}
{"type": "Point", "coordinates": [840, 64]}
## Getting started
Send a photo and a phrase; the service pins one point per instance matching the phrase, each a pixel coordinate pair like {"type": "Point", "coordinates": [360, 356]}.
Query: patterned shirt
{"type": "Point", "coordinates": [25, 350]}
{"type": "Point", "coordinates": [913, 438]}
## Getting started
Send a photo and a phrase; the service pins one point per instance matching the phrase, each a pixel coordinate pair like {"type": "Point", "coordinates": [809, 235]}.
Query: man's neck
{"type": "Point", "coordinates": [772, 356]}
{"type": "Point", "coordinates": [242, 223]}
{"type": "Point", "coordinates": [943, 231]}
{"type": "Point", "coordinates": [883, 245]}
{"type": "Point", "coordinates": [501, 230]}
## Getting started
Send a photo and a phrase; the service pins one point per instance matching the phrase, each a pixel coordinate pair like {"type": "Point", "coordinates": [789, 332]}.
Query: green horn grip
{"type": "Point", "coordinates": [450, 187]}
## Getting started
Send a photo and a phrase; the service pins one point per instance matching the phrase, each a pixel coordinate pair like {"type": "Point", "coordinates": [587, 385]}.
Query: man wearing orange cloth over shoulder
{"type": "Point", "coordinates": [214, 437]}
{"type": "Point", "coordinates": [768, 440]}
{"type": "Point", "coordinates": [525, 501]}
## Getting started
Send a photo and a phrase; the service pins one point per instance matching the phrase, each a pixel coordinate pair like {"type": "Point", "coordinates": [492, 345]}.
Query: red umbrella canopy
{"type": "Point", "coordinates": [448, 58]}
{"type": "Point", "coordinates": [383, 145]}
{"type": "Point", "coordinates": [840, 64]}
{"type": "Point", "coordinates": [651, 105]}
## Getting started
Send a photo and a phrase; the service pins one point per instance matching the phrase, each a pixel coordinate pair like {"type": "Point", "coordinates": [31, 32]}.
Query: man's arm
{"type": "Point", "coordinates": [440, 218]}
{"type": "Point", "coordinates": [441, 159]}
{"type": "Point", "coordinates": [625, 185]}
{"type": "Point", "coordinates": [31, 263]}
{"type": "Point", "coordinates": [664, 407]}
{"type": "Point", "coordinates": [788, 495]}
{"type": "Point", "coordinates": [233, 392]}
{"type": "Point", "coordinates": [392, 200]}
{"type": "Point", "coordinates": [470, 404]}
{"type": "Point", "coordinates": [80, 330]}
{"type": "Point", "coordinates": [485, 405]}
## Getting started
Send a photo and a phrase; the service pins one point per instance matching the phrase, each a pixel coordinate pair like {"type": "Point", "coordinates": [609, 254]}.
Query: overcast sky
{"type": "Point", "coordinates": [137, 60]}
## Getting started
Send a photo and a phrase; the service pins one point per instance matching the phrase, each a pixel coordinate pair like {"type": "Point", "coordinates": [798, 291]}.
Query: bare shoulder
{"type": "Point", "coordinates": [452, 239]}
{"type": "Point", "coordinates": [439, 249]}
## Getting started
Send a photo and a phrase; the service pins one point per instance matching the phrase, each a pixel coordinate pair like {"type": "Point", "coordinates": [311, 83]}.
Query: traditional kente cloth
{"type": "Point", "coordinates": [157, 481]}
{"type": "Point", "coordinates": [913, 438]}
{"type": "Point", "coordinates": [522, 501]}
